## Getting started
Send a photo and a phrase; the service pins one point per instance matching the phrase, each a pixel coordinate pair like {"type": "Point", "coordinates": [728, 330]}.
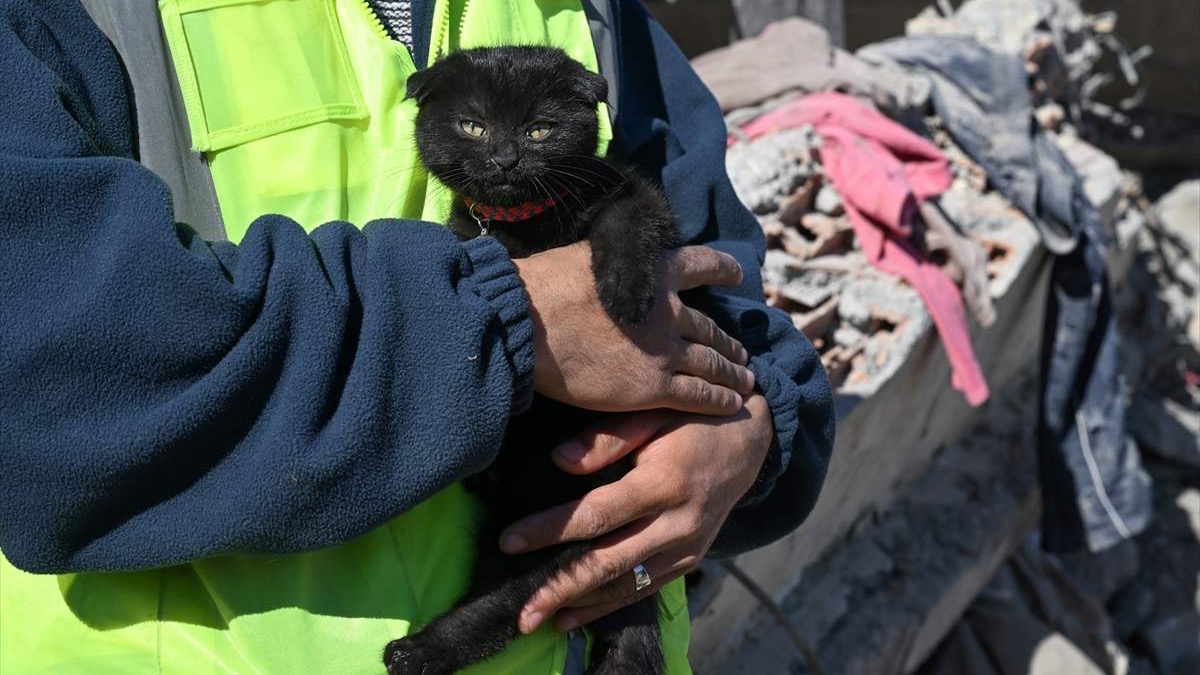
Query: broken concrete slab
{"type": "Point", "coordinates": [1179, 210]}
{"type": "Point", "coordinates": [882, 598]}
{"type": "Point", "coordinates": [767, 170]}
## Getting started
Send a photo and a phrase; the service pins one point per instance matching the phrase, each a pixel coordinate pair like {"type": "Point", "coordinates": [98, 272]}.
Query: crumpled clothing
{"type": "Point", "coordinates": [796, 55]}
{"type": "Point", "coordinates": [983, 100]}
{"type": "Point", "coordinates": [882, 172]}
{"type": "Point", "coordinates": [1094, 490]}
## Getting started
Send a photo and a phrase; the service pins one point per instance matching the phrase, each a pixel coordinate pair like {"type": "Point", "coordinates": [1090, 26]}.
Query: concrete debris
{"type": "Point", "coordinates": [890, 318]}
{"type": "Point", "coordinates": [1179, 215]}
{"type": "Point", "coordinates": [768, 169]}
{"type": "Point", "coordinates": [1063, 48]}
{"type": "Point", "coordinates": [902, 574]}
{"type": "Point", "coordinates": [864, 323]}
{"type": "Point", "coordinates": [829, 201]}
{"type": "Point", "coordinates": [913, 564]}
{"type": "Point", "coordinates": [1159, 308]}
{"type": "Point", "coordinates": [1030, 618]}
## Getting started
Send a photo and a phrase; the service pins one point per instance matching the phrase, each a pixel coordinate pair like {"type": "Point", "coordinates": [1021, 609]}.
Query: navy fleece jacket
{"type": "Point", "coordinates": [164, 399]}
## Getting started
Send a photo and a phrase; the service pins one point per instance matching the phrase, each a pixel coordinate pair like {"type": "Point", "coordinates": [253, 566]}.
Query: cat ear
{"type": "Point", "coordinates": [421, 84]}
{"type": "Point", "coordinates": [593, 87]}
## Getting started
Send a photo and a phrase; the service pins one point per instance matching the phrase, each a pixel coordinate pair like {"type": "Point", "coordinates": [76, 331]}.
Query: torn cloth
{"type": "Point", "coordinates": [882, 171]}
{"type": "Point", "coordinates": [1094, 490]}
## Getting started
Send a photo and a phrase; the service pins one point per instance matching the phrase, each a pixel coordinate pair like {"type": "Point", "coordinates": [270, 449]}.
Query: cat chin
{"type": "Point", "coordinates": [507, 195]}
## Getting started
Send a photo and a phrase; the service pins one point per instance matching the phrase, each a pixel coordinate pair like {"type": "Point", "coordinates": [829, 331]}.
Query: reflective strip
{"type": "Point", "coordinates": [1098, 480]}
{"type": "Point", "coordinates": [604, 38]}
{"type": "Point", "coordinates": [164, 141]}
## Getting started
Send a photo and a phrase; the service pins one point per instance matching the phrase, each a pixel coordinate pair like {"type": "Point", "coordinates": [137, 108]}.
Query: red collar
{"type": "Point", "coordinates": [507, 214]}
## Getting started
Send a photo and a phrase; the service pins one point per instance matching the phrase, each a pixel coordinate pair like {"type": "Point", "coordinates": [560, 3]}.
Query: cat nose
{"type": "Point", "coordinates": [505, 158]}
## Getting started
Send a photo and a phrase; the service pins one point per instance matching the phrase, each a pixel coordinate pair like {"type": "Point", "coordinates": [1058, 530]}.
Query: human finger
{"type": "Point", "coordinates": [597, 513]}
{"type": "Point", "coordinates": [696, 326]}
{"type": "Point", "coordinates": [688, 393]}
{"type": "Point", "coordinates": [607, 441]}
{"type": "Point", "coordinates": [661, 568]}
{"type": "Point", "coordinates": [695, 266]}
{"type": "Point", "coordinates": [709, 365]}
{"type": "Point", "coordinates": [593, 569]}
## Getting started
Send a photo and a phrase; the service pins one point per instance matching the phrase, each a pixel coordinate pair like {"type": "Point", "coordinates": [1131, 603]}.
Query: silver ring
{"type": "Point", "coordinates": [641, 579]}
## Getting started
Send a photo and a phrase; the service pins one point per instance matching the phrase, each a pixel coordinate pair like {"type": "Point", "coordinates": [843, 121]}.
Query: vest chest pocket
{"type": "Point", "coordinates": [253, 68]}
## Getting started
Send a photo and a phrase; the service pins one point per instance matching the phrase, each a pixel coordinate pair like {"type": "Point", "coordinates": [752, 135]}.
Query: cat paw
{"type": "Point", "coordinates": [627, 304]}
{"type": "Point", "coordinates": [406, 656]}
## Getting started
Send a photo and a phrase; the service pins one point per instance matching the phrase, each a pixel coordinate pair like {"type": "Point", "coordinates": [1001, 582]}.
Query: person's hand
{"type": "Point", "coordinates": [677, 358]}
{"type": "Point", "coordinates": [689, 472]}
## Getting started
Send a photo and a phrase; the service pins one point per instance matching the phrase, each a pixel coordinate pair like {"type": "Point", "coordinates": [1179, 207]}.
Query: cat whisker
{"type": "Point", "coordinates": [611, 177]}
{"type": "Point", "coordinates": [554, 202]}
{"type": "Point", "coordinates": [565, 187]}
{"type": "Point", "coordinates": [571, 175]}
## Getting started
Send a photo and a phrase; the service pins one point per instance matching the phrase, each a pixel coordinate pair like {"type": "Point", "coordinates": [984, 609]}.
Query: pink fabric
{"type": "Point", "coordinates": [882, 171]}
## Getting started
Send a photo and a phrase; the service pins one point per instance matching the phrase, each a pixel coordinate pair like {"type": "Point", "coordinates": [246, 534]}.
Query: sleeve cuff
{"type": "Point", "coordinates": [778, 390]}
{"type": "Point", "coordinates": [496, 278]}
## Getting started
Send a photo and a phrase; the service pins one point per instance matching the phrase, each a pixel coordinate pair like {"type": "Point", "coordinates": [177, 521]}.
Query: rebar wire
{"type": "Point", "coordinates": [806, 651]}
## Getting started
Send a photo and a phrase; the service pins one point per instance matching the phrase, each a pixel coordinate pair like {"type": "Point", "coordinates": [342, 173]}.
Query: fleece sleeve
{"type": "Point", "coordinates": [670, 126]}
{"type": "Point", "coordinates": [163, 399]}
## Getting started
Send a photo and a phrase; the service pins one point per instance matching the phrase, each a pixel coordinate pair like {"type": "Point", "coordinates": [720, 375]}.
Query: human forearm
{"type": "Point", "coordinates": [165, 399]}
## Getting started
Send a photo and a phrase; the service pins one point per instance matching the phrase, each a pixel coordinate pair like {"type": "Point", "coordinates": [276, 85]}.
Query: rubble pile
{"type": "Point", "coordinates": [1160, 310]}
{"type": "Point", "coordinates": [1063, 48]}
{"type": "Point", "coordinates": [862, 321]}
{"type": "Point", "coordinates": [986, 231]}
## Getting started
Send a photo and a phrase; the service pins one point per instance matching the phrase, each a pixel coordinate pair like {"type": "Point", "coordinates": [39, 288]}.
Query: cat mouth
{"type": "Point", "coordinates": [507, 194]}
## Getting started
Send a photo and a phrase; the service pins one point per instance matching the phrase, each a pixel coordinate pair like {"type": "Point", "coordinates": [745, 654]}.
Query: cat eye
{"type": "Point", "coordinates": [539, 130]}
{"type": "Point", "coordinates": [472, 128]}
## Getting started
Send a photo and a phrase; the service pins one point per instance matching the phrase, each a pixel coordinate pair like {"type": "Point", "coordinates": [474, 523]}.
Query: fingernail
{"type": "Point", "coordinates": [748, 379]}
{"type": "Point", "coordinates": [530, 622]}
{"type": "Point", "coordinates": [572, 451]}
{"type": "Point", "coordinates": [513, 543]}
{"type": "Point", "coordinates": [568, 624]}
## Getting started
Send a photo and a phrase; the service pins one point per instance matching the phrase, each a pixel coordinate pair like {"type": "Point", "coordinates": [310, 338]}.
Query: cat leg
{"type": "Point", "coordinates": [463, 226]}
{"type": "Point", "coordinates": [469, 633]}
{"type": "Point", "coordinates": [628, 238]}
{"type": "Point", "coordinates": [627, 642]}
{"type": "Point", "coordinates": [485, 622]}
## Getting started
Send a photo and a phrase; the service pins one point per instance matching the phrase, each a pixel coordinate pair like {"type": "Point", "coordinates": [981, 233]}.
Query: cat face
{"type": "Point", "coordinates": [505, 125]}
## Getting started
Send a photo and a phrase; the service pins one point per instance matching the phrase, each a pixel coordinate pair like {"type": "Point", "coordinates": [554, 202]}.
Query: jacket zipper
{"type": "Point", "coordinates": [376, 22]}
{"type": "Point", "coordinates": [422, 18]}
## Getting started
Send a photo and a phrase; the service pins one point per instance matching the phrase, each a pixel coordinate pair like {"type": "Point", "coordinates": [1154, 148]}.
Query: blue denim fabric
{"type": "Point", "coordinates": [1094, 490]}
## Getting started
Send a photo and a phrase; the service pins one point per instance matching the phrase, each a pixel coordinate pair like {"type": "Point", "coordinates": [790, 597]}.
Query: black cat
{"type": "Point", "coordinates": [513, 132]}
